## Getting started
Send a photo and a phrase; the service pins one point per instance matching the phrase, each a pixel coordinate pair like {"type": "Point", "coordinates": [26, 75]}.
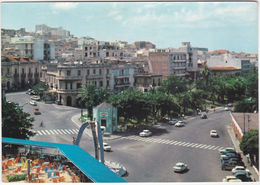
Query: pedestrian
{"type": "Point", "coordinates": [41, 125]}
{"type": "Point", "coordinates": [73, 140]}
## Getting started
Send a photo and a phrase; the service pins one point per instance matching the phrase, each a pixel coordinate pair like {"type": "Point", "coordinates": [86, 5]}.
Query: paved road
{"type": "Point", "coordinates": [146, 159]}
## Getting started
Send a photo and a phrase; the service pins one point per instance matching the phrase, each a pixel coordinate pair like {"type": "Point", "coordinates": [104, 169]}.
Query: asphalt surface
{"type": "Point", "coordinates": [148, 159]}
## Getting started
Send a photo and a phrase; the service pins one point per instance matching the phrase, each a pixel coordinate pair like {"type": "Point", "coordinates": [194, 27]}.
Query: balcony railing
{"type": "Point", "coordinates": [67, 91]}
{"type": "Point", "coordinates": [122, 84]}
{"type": "Point", "coordinates": [69, 77]}
{"type": "Point", "coordinates": [179, 67]}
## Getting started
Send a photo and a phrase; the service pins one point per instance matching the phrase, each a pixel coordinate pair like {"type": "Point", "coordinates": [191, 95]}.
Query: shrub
{"type": "Point", "coordinates": [13, 178]}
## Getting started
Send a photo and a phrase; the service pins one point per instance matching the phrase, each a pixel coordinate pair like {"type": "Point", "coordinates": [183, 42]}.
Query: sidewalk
{"type": "Point", "coordinates": [106, 136]}
{"type": "Point", "coordinates": [253, 169]}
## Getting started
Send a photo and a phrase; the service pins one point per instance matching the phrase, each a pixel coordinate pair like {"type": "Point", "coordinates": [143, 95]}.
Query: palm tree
{"type": "Point", "coordinates": [206, 74]}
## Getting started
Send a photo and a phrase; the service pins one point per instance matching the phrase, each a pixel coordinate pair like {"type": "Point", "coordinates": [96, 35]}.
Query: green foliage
{"type": "Point", "coordinates": [14, 178]}
{"type": "Point", "coordinates": [174, 85]}
{"type": "Point", "coordinates": [15, 122]}
{"type": "Point", "coordinates": [91, 96]}
{"type": "Point", "coordinates": [246, 106]}
{"type": "Point", "coordinates": [249, 142]}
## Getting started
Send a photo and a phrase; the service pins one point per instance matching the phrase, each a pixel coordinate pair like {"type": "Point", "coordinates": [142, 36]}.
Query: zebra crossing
{"type": "Point", "coordinates": [174, 142]}
{"type": "Point", "coordinates": [57, 132]}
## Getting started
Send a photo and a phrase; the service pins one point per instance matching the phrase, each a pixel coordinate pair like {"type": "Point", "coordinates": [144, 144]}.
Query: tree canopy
{"type": "Point", "coordinates": [15, 122]}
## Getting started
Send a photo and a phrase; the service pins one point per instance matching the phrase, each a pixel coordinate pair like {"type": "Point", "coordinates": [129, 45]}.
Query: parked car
{"type": "Point", "coordinates": [243, 176]}
{"type": "Point", "coordinates": [230, 150]}
{"type": "Point", "coordinates": [240, 168]}
{"type": "Point", "coordinates": [213, 133]}
{"type": "Point", "coordinates": [203, 116]}
{"type": "Point", "coordinates": [228, 165]}
{"type": "Point", "coordinates": [106, 147]}
{"type": "Point", "coordinates": [36, 111]}
{"type": "Point", "coordinates": [36, 98]}
{"type": "Point", "coordinates": [179, 124]}
{"type": "Point", "coordinates": [29, 91]}
{"type": "Point", "coordinates": [230, 155]}
{"type": "Point", "coordinates": [173, 121]}
{"type": "Point", "coordinates": [227, 109]}
{"type": "Point", "coordinates": [145, 133]}
{"type": "Point", "coordinates": [58, 102]}
{"type": "Point", "coordinates": [180, 167]}
{"type": "Point", "coordinates": [229, 178]}
{"type": "Point", "coordinates": [33, 103]}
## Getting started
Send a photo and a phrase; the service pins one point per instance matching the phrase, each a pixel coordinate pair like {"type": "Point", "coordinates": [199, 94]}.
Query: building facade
{"type": "Point", "coordinates": [19, 72]}
{"type": "Point", "coordinates": [67, 78]}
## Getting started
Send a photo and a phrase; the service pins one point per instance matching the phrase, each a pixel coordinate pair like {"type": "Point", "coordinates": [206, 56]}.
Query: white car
{"type": "Point", "coordinates": [179, 124]}
{"type": "Point", "coordinates": [229, 178]}
{"type": "Point", "coordinates": [213, 133]}
{"type": "Point", "coordinates": [240, 168]}
{"type": "Point", "coordinates": [33, 103]}
{"type": "Point", "coordinates": [180, 167]}
{"type": "Point", "coordinates": [36, 98]}
{"type": "Point", "coordinates": [226, 108]}
{"type": "Point", "coordinates": [106, 147]}
{"type": "Point", "coordinates": [145, 133]}
{"type": "Point", "coordinates": [173, 121]}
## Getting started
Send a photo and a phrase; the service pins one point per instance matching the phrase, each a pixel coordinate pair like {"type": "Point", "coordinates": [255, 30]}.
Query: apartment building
{"type": "Point", "coordinates": [52, 32]}
{"type": "Point", "coordinates": [67, 78]}
{"type": "Point", "coordinates": [19, 72]}
{"type": "Point", "coordinates": [145, 82]}
{"type": "Point", "coordinates": [180, 62]}
{"type": "Point", "coordinates": [144, 45]}
{"type": "Point", "coordinates": [228, 63]}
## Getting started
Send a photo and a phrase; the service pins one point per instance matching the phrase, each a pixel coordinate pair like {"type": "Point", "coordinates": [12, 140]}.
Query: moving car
{"type": "Point", "coordinates": [33, 103]}
{"type": "Point", "coordinates": [36, 111]}
{"type": "Point", "coordinates": [203, 116]}
{"type": "Point", "coordinates": [229, 178]}
{"type": "Point", "coordinates": [180, 167]}
{"type": "Point", "coordinates": [226, 108]}
{"type": "Point", "coordinates": [106, 147]}
{"type": "Point", "coordinates": [213, 133]}
{"type": "Point", "coordinates": [145, 133]}
{"type": "Point", "coordinates": [36, 98]}
{"type": "Point", "coordinates": [179, 124]}
{"type": "Point", "coordinates": [240, 168]}
{"type": "Point", "coordinates": [173, 121]}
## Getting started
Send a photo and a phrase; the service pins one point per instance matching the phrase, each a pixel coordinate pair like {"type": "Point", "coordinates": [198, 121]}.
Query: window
{"type": "Point", "coordinates": [95, 83]}
{"type": "Point", "coordinates": [94, 71]}
{"type": "Point", "coordinates": [68, 72]}
{"type": "Point", "coordinates": [8, 70]}
{"type": "Point", "coordinates": [107, 71]}
{"type": "Point", "coordinates": [22, 70]}
{"type": "Point", "coordinates": [78, 85]}
{"type": "Point", "coordinates": [107, 83]}
{"type": "Point", "coordinates": [88, 72]}
{"type": "Point", "coordinates": [78, 72]}
{"type": "Point", "coordinates": [100, 83]}
{"type": "Point", "coordinates": [100, 71]}
{"type": "Point", "coordinates": [59, 72]}
{"type": "Point", "coordinates": [86, 48]}
{"type": "Point", "coordinates": [107, 54]}
{"type": "Point", "coordinates": [36, 70]}
{"type": "Point", "coordinates": [29, 70]}
{"type": "Point", "coordinates": [86, 54]}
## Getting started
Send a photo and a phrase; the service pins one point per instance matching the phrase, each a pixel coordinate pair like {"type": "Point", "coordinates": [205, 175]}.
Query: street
{"type": "Point", "coordinates": [148, 159]}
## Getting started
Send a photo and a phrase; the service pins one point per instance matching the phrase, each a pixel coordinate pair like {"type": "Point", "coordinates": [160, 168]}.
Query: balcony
{"type": "Point", "coordinates": [179, 67]}
{"type": "Point", "coordinates": [63, 91]}
{"type": "Point", "coordinates": [69, 77]}
{"type": "Point", "coordinates": [179, 60]}
{"type": "Point", "coordinates": [94, 77]}
{"type": "Point", "coordinates": [122, 84]}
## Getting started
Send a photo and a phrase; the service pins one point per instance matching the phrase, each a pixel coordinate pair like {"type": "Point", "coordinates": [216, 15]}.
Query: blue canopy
{"type": "Point", "coordinates": [92, 168]}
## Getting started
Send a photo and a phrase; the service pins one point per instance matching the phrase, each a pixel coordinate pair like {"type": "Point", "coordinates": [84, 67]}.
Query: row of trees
{"type": "Point", "coordinates": [177, 96]}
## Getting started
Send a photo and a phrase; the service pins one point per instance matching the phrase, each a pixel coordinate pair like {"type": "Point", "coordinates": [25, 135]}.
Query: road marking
{"type": "Point", "coordinates": [55, 132]}
{"type": "Point", "coordinates": [199, 146]}
{"type": "Point", "coordinates": [67, 131]}
{"type": "Point", "coordinates": [207, 147]}
{"type": "Point", "coordinates": [59, 131]}
{"type": "Point", "coordinates": [39, 132]}
{"type": "Point", "coordinates": [75, 131]}
{"type": "Point", "coordinates": [43, 132]}
{"type": "Point", "coordinates": [52, 132]}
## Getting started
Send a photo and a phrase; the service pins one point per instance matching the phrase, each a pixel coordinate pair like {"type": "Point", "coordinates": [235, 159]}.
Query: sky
{"type": "Point", "coordinates": [218, 25]}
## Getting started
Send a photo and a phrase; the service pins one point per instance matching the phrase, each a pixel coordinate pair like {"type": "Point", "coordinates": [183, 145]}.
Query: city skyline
{"type": "Point", "coordinates": [231, 26]}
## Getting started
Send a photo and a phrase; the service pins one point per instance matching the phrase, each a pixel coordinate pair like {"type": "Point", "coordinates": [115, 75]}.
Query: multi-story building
{"type": "Point", "coordinates": [145, 82]}
{"type": "Point", "coordinates": [67, 78]}
{"type": "Point", "coordinates": [32, 48]}
{"type": "Point", "coordinates": [180, 62]}
{"type": "Point", "coordinates": [55, 33]}
{"type": "Point", "coordinates": [19, 72]}
{"type": "Point", "coordinates": [229, 64]}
